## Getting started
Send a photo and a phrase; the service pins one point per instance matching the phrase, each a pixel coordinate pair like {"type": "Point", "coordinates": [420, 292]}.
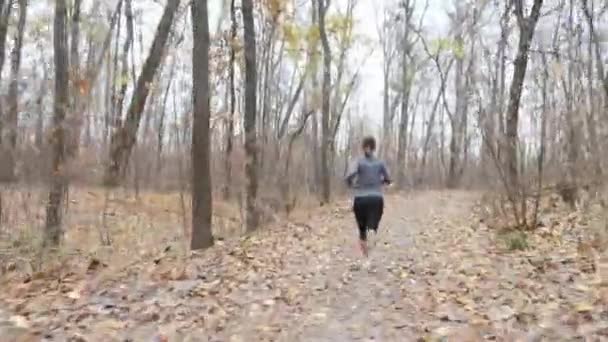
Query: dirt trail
{"type": "Point", "coordinates": [431, 273]}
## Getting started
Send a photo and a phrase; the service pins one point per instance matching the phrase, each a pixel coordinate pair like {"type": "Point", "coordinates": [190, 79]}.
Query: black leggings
{"type": "Point", "coordinates": [368, 212]}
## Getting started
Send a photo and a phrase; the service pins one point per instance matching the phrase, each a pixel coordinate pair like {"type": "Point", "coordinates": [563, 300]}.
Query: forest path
{"type": "Point", "coordinates": [433, 273]}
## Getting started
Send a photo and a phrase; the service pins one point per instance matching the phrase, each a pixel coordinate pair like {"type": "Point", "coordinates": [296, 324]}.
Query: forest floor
{"type": "Point", "coordinates": [435, 271]}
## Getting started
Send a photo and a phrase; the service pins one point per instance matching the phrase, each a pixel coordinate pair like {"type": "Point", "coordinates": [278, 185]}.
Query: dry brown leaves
{"type": "Point", "coordinates": [438, 274]}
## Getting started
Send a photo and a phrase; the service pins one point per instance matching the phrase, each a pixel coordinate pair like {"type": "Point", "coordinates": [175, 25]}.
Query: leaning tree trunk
{"type": "Point", "coordinates": [325, 106]}
{"type": "Point", "coordinates": [58, 180]}
{"type": "Point", "coordinates": [251, 163]}
{"type": "Point", "coordinates": [201, 151]}
{"type": "Point", "coordinates": [125, 137]}
{"type": "Point", "coordinates": [527, 25]}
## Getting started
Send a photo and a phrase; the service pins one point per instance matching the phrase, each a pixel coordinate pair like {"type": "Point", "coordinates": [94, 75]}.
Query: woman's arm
{"type": "Point", "coordinates": [350, 177]}
{"type": "Point", "coordinates": [386, 178]}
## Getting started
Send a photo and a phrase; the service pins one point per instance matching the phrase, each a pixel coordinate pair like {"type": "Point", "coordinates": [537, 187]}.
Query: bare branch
{"type": "Point", "coordinates": [519, 12]}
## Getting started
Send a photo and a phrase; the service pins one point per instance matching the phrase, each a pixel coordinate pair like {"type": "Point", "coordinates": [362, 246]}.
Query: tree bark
{"type": "Point", "coordinates": [39, 140]}
{"type": "Point", "coordinates": [160, 134]}
{"type": "Point", "coordinates": [232, 90]}
{"type": "Point", "coordinates": [125, 137]}
{"type": "Point", "coordinates": [325, 105]}
{"type": "Point", "coordinates": [598, 53]}
{"type": "Point", "coordinates": [456, 121]}
{"type": "Point", "coordinates": [73, 134]}
{"type": "Point", "coordinates": [58, 180]}
{"type": "Point", "coordinates": [402, 138]}
{"type": "Point", "coordinates": [251, 149]}
{"type": "Point", "coordinates": [592, 122]}
{"type": "Point", "coordinates": [13, 94]}
{"type": "Point", "coordinates": [527, 26]}
{"type": "Point", "coordinates": [201, 151]}
{"type": "Point", "coordinates": [5, 12]}
{"type": "Point", "coordinates": [314, 86]}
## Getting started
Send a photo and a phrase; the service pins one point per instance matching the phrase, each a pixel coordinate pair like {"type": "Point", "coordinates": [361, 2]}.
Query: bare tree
{"type": "Point", "coordinates": [5, 13]}
{"type": "Point", "coordinates": [201, 173]}
{"type": "Point", "coordinates": [527, 25]}
{"type": "Point", "coordinates": [13, 91]}
{"type": "Point", "coordinates": [385, 35]}
{"type": "Point", "coordinates": [407, 77]}
{"type": "Point", "coordinates": [58, 180]}
{"type": "Point", "coordinates": [232, 90]}
{"type": "Point", "coordinates": [598, 54]}
{"type": "Point", "coordinates": [251, 149]}
{"type": "Point", "coordinates": [125, 136]}
{"type": "Point", "coordinates": [325, 103]}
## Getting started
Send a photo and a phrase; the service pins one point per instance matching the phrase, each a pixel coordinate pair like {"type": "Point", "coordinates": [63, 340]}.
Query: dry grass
{"type": "Point", "coordinates": [136, 226]}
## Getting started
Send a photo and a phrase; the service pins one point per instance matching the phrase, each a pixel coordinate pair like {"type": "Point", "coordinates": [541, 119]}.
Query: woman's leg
{"type": "Point", "coordinates": [376, 210]}
{"type": "Point", "coordinates": [361, 214]}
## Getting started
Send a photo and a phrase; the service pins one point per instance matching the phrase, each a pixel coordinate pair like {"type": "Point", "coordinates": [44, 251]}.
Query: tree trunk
{"type": "Point", "coordinates": [73, 133]}
{"type": "Point", "coordinates": [13, 93]}
{"type": "Point", "coordinates": [386, 115]}
{"type": "Point", "coordinates": [250, 117]}
{"type": "Point", "coordinates": [58, 181]}
{"type": "Point", "coordinates": [456, 121]}
{"type": "Point", "coordinates": [527, 26]}
{"type": "Point", "coordinates": [572, 121]}
{"type": "Point", "coordinates": [232, 90]}
{"type": "Point", "coordinates": [402, 142]}
{"type": "Point", "coordinates": [502, 66]}
{"type": "Point", "coordinates": [325, 105]}
{"type": "Point", "coordinates": [201, 151]}
{"type": "Point", "coordinates": [125, 137]}
{"type": "Point", "coordinates": [39, 140]}
{"type": "Point", "coordinates": [598, 51]}
{"type": "Point", "coordinates": [591, 115]}
{"type": "Point", "coordinates": [5, 12]}
{"type": "Point", "coordinates": [160, 134]}
{"type": "Point", "coordinates": [594, 46]}
{"type": "Point", "coordinates": [431, 123]}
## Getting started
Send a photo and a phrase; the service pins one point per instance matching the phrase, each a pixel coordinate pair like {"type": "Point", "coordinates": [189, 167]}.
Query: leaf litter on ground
{"type": "Point", "coordinates": [441, 276]}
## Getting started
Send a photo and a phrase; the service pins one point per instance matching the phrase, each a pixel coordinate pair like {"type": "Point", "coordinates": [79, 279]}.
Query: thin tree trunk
{"type": "Point", "coordinates": [73, 133]}
{"type": "Point", "coordinates": [402, 142]}
{"type": "Point", "coordinates": [160, 134]}
{"type": "Point", "coordinates": [232, 90]}
{"type": "Point", "coordinates": [5, 12]}
{"type": "Point", "coordinates": [125, 136]}
{"type": "Point", "coordinates": [58, 181]}
{"type": "Point", "coordinates": [201, 151]}
{"type": "Point", "coordinates": [598, 53]}
{"type": "Point", "coordinates": [39, 140]}
{"type": "Point", "coordinates": [251, 151]}
{"type": "Point", "coordinates": [325, 104]}
{"type": "Point", "coordinates": [568, 87]}
{"type": "Point", "coordinates": [124, 73]}
{"type": "Point", "coordinates": [527, 26]}
{"type": "Point", "coordinates": [431, 123]}
{"type": "Point", "coordinates": [591, 116]}
{"type": "Point", "coordinates": [13, 93]}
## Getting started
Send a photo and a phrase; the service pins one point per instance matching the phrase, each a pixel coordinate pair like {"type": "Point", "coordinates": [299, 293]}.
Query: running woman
{"type": "Point", "coordinates": [366, 179]}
